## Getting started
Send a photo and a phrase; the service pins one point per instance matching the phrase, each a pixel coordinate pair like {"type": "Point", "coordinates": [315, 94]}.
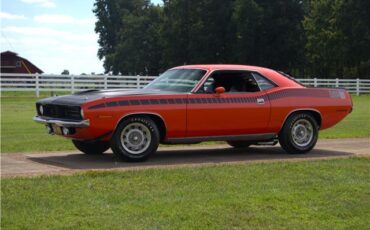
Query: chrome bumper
{"type": "Point", "coordinates": [61, 123]}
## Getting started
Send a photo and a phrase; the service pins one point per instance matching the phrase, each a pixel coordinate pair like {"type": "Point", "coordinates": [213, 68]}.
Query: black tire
{"type": "Point", "coordinates": [289, 143]}
{"type": "Point", "coordinates": [91, 148]}
{"type": "Point", "coordinates": [146, 133]}
{"type": "Point", "coordinates": [239, 144]}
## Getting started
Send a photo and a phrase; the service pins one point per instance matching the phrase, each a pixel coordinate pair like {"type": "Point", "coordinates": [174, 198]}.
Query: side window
{"type": "Point", "coordinates": [242, 82]}
{"type": "Point", "coordinates": [262, 82]}
{"type": "Point", "coordinates": [233, 81]}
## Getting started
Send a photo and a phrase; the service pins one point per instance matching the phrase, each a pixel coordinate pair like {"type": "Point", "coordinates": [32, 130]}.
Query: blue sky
{"type": "Point", "coordinates": [53, 34]}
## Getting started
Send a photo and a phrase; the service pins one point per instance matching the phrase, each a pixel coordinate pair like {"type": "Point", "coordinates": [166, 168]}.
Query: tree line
{"type": "Point", "coordinates": [306, 38]}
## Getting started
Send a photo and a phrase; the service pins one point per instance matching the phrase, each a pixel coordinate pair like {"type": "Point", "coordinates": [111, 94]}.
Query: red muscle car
{"type": "Point", "coordinates": [242, 105]}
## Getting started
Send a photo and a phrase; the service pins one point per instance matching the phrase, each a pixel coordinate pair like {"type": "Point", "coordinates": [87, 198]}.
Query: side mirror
{"type": "Point", "coordinates": [220, 90]}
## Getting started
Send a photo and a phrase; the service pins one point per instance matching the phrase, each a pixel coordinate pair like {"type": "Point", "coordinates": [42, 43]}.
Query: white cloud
{"type": "Point", "coordinates": [62, 19]}
{"type": "Point", "coordinates": [42, 3]}
{"type": "Point", "coordinates": [7, 41]}
{"type": "Point", "coordinates": [5, 15]}
{"type": "Point", "coordinates": [51, 33]}
{"type": "Point", "coordinates": [53, 50]}
{"type": "Point", "coordinates": [38, 41]}
{"type": "Point", "coordinates": [32, 30]}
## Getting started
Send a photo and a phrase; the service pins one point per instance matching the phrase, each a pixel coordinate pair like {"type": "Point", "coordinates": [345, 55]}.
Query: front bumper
{"type": "Point", "coordinates": [62, 123]}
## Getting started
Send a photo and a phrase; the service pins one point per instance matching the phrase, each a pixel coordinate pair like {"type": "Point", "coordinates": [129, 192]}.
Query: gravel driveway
{"type": "Point", "coordinates": [33, 164]}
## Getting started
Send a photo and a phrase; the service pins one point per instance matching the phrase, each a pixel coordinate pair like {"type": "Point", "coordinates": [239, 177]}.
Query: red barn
{"type": "Point", "coordinates": [12, 63]}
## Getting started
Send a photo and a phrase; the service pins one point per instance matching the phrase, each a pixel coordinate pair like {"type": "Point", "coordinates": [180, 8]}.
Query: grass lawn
{"type": "Point", "coordinates": [329, 194]}
{"type": "Point", "coordinates": [21, 134]}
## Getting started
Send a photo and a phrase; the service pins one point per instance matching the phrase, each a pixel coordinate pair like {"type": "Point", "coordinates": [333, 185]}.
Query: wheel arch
{"type": "Point", "coordinates": [315, 113]}
{"type": "Point", "coordinates": [157, 119]}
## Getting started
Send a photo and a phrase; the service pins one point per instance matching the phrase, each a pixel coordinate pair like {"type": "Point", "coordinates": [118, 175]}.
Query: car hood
{"type": "Point", "coordinates": [91, 95]}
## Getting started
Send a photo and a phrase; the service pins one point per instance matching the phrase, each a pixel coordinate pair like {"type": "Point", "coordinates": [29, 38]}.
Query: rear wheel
{"type": "Point", "coordinates": [135, 139]}
{"type": "Point", "coordinates": [299, 133]}
{"type": "Point", "coordinates": [239, 144]}
{"type": "Point", "coordinates": [92, 148]}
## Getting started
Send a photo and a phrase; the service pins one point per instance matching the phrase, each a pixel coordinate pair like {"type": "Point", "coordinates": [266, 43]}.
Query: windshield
{"type": "Point", "coordinates": [177, 80]}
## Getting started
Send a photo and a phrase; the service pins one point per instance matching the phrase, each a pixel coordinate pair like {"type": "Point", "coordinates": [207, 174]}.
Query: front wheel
{"type": "Point", "coordinates": [299, 133]}
{"type": "Point", "coordinates": [135, 139]}
{"type": "Point", "coordinates": [91, 148]}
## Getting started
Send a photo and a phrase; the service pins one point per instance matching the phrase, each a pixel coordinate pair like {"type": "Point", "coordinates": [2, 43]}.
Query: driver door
{"type": "Point", "coordinates": [229, 113]}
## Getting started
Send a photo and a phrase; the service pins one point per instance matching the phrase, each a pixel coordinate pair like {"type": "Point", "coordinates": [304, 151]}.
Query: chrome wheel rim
{"type": "Point", "coordinates": [135, 138]}
{"type": "Point", "coordinates": [302, 133]}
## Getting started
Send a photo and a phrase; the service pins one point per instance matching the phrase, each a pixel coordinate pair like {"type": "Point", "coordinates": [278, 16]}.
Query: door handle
{"type": "Point", "coordinates": [260, 101]}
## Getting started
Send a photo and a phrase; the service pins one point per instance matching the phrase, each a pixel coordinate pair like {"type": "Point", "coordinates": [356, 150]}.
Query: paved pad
{"type": "Point", "coordinates": [70, 162]}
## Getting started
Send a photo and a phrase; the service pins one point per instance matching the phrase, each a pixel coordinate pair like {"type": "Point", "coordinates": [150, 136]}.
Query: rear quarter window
{"type": "Point", "coordinates": [262, 82]}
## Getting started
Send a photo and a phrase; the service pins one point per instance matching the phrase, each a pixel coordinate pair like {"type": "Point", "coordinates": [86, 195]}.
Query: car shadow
{"type": "Point", "coordinates": [180, 157]}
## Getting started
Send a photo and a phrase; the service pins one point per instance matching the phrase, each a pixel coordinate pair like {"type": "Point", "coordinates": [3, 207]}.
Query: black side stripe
{"type": "Point", "coordinates": [217, 100]}
{"type": "Point", "coordinates": [98, 106]}
{"type": "Point", "coordinates": [166, 101]}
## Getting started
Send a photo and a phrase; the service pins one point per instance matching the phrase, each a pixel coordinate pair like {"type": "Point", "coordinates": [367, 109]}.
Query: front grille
{"type": "Point", "coordinates": [61, 111]}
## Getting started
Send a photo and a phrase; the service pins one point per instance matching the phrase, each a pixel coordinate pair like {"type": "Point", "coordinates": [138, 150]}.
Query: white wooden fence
{"type": "Point", "coordinates": [69, 83]}
{"type": "Point", "coordinates": [73, 83]}
{"type": "Point", "coordinates": [355, 86]}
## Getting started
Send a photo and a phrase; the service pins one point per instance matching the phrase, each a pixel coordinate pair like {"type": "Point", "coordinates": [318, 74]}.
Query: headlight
{"type": "Point", "coordinates": [82, 113]}
{"type": "Point", "coordinates": [41, 109]}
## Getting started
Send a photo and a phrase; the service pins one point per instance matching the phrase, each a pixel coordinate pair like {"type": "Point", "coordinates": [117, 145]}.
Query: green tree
{"type": "Point", "coordinates": [139, 50]}
{"type": "Point", "coordinates": [280, 36]}
{"type": "Point", "coordinates": [338, 38]}
{"type": "Point", "coordinates": [269, 33]}
{"type": "Point", "coordinates": [65, 72]}
{"type": "Point", "coordinates": [175, 34]}
{"type": "Point", "coordinates": [196, 31]}
{"type": "Point", "coordinates": [247, 23]}
{"type": "Point", "coordinates": [109, 15]}
{"type": "Point", "coordinates": [323, 38]}
{"type": "Point", "coordinates": [211, 31]}
{"type": "Point", "coordinates": [128, 36]}
{"type": "Point", "coordinates": [354, 24]}
{"type": "Point", "coordinates": [325, 47]}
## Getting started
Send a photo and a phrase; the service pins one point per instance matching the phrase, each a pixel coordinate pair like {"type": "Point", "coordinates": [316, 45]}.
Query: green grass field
{"type": "Point", "coordinates": [329, 194]}
{"type": "Point", "coordinates": [21, 134]}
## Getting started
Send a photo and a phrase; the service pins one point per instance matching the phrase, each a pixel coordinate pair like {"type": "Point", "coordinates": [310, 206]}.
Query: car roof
{"type": "Point", "coordinates": [271, 74]}
{"type": "Point", "coordinates": [220, 67]}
